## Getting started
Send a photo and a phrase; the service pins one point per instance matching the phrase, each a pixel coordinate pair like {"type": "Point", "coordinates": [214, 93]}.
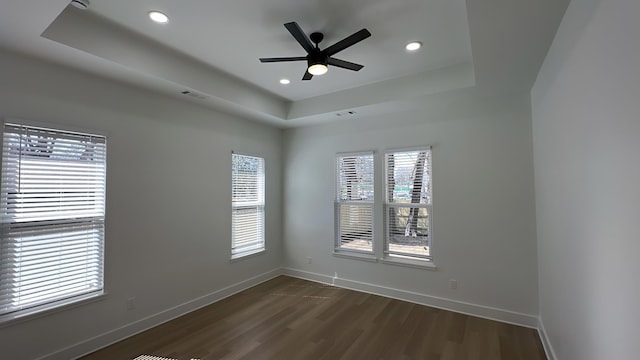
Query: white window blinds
{"type": "Point", "coordinates": [408, 204]}
{"type": "Point", "coordinates": [354, 203]}
{"type": "Point", "coordinates": [247, 205]}
{"type": "Point", "coordinates": [52, 218]}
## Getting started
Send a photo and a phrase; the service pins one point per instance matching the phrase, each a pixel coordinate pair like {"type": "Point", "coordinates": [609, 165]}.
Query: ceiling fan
{"type": "Point", "coordinates": [318, 60]}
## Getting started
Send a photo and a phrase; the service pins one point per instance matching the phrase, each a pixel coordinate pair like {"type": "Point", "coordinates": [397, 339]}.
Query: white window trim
{"type": "Point", "coordinates": [379, 249]}
{"type": "Point", "coordinates": [37, 312]}
{"type": "Point", "coordinates": [337, 249]}
{"type": "Point", "coordinates": [415, 262]}
{"type": "Point", "coordinates": [55, 126]}
{"type": "Point", "coordinates": [46, 309]}
{"type": "Point", "coordinates": [247, 255]}
{"type": "Point", "coordinates": [419, 264]}
{"type": "Point", "coordinates": [261, 250]}
{"type": "Point", "coordinates": [356, 255]}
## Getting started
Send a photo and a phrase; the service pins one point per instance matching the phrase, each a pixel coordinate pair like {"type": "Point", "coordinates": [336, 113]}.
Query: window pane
{"type": "Point", "coordinates": [408, 231]}
{"type": "Point", "coordinates": [355, 177]}
{"type": "Point", "coordinates": [247, 229]}
{"type": "Point", "coordinates": [409, 177]}
{"type": "Point", "coordinates": [51, 263]}
{"type": "Point", "coordinates": [355, 227]}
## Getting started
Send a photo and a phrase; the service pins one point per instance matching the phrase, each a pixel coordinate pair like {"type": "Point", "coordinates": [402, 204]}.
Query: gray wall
{"type": "Point", "coordinates": [586, 135]}
{"type": "Point", "coordinates": [168, 226]}
{"type": "Point", "coordinates": [483, 201]}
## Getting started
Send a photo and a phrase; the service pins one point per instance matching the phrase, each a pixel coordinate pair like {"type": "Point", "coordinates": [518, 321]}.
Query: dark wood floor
{"type": "Point", "coordinates": [288, 318]}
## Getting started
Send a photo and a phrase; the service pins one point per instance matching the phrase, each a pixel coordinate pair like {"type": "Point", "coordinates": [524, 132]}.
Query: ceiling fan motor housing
{"type": "Point", "coordinates": [316, 37]}
{"type": "Point", "coordinates": [317, 57]}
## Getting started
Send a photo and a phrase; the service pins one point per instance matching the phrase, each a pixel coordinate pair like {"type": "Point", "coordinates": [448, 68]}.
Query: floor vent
{"type": "Point", "coordinates": [151, 357]}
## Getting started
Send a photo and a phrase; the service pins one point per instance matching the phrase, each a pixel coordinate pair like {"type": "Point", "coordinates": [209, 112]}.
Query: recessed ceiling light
{"type": "Point", "coordinates": [285, 81]}
{"type": "Point", "coordinates": [413, 46]}
{"type": "Point", "coordinates": [80, 4]}
{"type": "Point", "coordinates": [158, 17]}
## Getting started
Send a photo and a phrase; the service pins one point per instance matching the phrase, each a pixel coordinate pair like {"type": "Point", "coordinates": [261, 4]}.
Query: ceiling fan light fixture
{"type": "Point", "coordinates": [318, 69]}
{"type": "Point", "coordinates": [413, 45]}
{"type": "Point", "coordinates": [318, 59]}
{"type": "Point", "coordinates": [158, 17]}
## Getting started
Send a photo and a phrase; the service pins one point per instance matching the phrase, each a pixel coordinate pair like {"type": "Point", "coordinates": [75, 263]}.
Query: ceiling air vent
{"type": "Point", "coordinates": [193, 94]}
{"type": "Point", "coordinates": [80, 4]}
{"type": "Point", "coordinates": [346, 113]}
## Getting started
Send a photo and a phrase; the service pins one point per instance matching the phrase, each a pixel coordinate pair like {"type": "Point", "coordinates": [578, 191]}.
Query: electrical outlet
{"type": "Point", "coordinates": [308, 259]}
{"type": "Point", "coordinates": [131, 303]}
{"type": "Point", "coordinates": [453, 284]}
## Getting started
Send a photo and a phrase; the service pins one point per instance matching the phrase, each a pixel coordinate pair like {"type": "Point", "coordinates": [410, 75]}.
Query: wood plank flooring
{"type": "Point", "coordinates": [289, 318]}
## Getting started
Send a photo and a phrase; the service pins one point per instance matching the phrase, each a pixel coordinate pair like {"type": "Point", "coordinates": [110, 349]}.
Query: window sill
{"type": "Point", "coordinates": [26, 315]}
{"type": "Point", "coordinates": [356, 256]}
{"type": "Point", "coordinates": [246, 255]}
{"type": "Point", "coordinates": [420, 264]}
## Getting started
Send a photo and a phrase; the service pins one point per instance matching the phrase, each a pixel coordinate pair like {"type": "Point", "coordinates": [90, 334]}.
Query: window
{"type": "Point", "coordinates": [408, 204]}
{"type": "Point", "coordinates": [247, 234]}
{"type": "Point", "coordinates": [354, 203]}
{"type": "Point", "coordinates": [52, 218]}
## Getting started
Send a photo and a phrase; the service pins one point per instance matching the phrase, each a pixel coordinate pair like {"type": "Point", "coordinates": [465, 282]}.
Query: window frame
{"type": "Point", "coordinates": [338, 249]}
{"type": "Point", "coordinates": [259, 205]}
{"type": "Point", "coordinates": [400, 258]}
{"type": "Point", "coordinates": [57, 302]}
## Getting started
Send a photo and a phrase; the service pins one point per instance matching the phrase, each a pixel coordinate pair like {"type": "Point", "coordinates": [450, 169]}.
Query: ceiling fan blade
{"type": "Point", "coordinates": [307, 76]}
{"type": "Point", "coordinates": [281, 59]}
{"type": "Point", "coordinates": [302, 38]}
{"type": "Point", "coordinates": [346, 42]}
{"type": "Point", "coordinates": [344, 64]}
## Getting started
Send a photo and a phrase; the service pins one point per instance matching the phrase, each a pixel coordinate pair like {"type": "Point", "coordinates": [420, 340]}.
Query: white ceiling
{"type": "Point", "coordinates": [232, 35]}
{"type": "Point", "coordinates": [212, 49]}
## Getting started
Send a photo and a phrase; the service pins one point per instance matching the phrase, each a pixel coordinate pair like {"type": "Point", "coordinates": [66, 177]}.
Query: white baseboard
{"type": "Point", "coordinates": [113, 336]}
{"type": "Point", "coordinates": [506, 316]}
{"type": "Point", "coordinates": [544, 338]}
